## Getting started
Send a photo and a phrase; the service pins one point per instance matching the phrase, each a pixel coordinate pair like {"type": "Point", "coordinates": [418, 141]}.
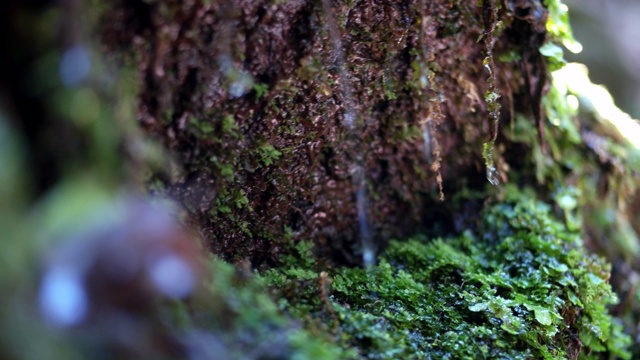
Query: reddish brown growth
{"type": "Point", "coordinates": [248, 95]}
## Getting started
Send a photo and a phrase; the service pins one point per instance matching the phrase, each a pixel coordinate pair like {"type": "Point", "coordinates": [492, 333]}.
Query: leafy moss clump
{"type": "Point", "coordinates": [520, 286]}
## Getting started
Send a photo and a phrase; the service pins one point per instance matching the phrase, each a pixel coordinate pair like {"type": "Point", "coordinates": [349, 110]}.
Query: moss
{"type": "Point", "coordinates": [589, 161]}
{"type": "Point", "coordinates": [519, 286]}
{"type": "Point", "coordinates": [590, 171]}
{"type": "Point", "coordinates": [558, 25]}
{"type": "Point", "coordinates": [242, 319]}
{"type": "Point", "coordinates": [493, 27]}
{"type": "Point", "coordinates": [268, 154]}
{"type": "Point", "coordinates": [281, 88]}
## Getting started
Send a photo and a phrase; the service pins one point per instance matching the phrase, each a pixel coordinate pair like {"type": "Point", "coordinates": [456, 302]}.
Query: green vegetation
{"type": "Point", "coordinates": [519, 286]}
{"type": "Point", "coordinates": [516, 282]}
{"type": "Point", "coordinates": [236, 312]}
{"type": "Point", "coordinates": [492, 95]}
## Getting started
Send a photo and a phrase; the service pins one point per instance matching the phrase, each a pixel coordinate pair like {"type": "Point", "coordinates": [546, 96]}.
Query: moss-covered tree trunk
{"type": "Point", "coordinates": [283, 115]}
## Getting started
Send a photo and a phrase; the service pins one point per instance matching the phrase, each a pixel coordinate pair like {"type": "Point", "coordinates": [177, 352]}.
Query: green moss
{"type": "Point", "coordinates": [509, 56]}
{"type": "Point", "coordinates": [261, 89]}
{"type": "Point", "coordinates": [520, 286]}
{"type": "Point", "coordinates": [268, 154]}
{"type": "Point", "coordinates": [558, 24]}
{"type": "Point", "coordinates": [241, 318]}
{"type": "Point", "coordinates": [492, 95]}
{"type": "Point", "coordinates": [585, 152]}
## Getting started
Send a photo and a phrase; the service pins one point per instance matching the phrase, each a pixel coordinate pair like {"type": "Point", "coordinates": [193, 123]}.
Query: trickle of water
{"type": "Point", "coordinates": [428, 148]}
{"type": "Point", "coordinates": [350, 115]}
{"type": "Point", "coordinates": [368, 250]}
{"type": "Point", "coordinates": [350, 122]}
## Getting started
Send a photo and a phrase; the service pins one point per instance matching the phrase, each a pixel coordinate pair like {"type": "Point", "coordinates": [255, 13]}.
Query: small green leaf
{"type": "Point", "coordinates": [552, 50]}
{"type": "Point", "coordinates": [478, 307]}
{"type": "Point", "coordinates": [543, 316]}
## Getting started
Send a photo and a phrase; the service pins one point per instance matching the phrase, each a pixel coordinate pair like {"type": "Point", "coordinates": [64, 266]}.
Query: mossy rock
{"type": "Point", "coordinates": [519, 286]}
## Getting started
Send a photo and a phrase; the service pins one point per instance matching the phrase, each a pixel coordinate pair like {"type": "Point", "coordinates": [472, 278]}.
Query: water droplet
{"type": "Point", "coordinates": [492, 175]}
{"type": "Point", "coordinates": [241, 85]}
{"type": "Point", "coordinates": [368, 258]}
{"type": "Point", "coordinates": [424, 81]}
{"type": "Point", "coordinates": [241, 81]}
{"type": "Point", "coordinates": [488, 68]}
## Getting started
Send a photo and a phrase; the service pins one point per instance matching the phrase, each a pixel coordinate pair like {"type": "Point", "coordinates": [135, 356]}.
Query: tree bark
{"type": "Point", "coordinates": [284, 114]}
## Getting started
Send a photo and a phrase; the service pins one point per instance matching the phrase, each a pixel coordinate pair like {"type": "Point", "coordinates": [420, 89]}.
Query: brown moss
{"type": "Point", "coordinates": [274, 68]}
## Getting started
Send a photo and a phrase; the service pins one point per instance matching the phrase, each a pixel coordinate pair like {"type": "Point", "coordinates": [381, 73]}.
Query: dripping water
{"type": "Point", "coordinates": [350, 122]}
{"type": "Point", "coordinates": [492, 175]}
{"type": "Point", "coordinates": [349, 119]}
{"type": "Point", "coordinates": [428, 146]}
{"type": "Point", "coordinates": [491, 172]}
{"type": "Point", "coordinates": [368, 251]}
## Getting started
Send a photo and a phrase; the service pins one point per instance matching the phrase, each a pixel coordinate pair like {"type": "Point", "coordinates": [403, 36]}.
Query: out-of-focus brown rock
{"type": "Point", "coordinates": [106, 277]}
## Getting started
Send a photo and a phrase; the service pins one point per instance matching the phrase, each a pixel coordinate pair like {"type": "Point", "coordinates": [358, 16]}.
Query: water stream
{"type": "Point", "coordinates": [362, 204]}
{"type": "Point", "coordinates": [350, 122]}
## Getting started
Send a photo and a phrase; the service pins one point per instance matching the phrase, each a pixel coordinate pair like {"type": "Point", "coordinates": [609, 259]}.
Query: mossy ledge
{"type": "Point", "coordinates": [519, 286]}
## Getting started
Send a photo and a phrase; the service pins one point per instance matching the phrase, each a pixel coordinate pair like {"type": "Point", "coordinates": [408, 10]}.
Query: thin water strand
{"type": "Point", "coordinates": [428, 146]}
{"type": "Point", "coordinates": [349, 119]}
{"type": "Point", "coordinates": [354, 129]}
{"type": "Point", "coordinates": [368, 251]}
{"type": "Point", "coordinates": [362, 204]}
